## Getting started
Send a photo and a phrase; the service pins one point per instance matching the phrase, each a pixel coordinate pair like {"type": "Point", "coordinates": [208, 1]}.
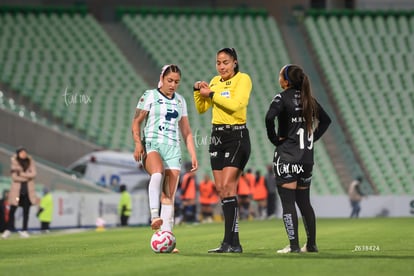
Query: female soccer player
{"type": "Point", "coordinates": [228, 95]}
{"type": "Point", "coordinates": [301, 122]}
{"type": "Point", "coordinates": [164, 112]}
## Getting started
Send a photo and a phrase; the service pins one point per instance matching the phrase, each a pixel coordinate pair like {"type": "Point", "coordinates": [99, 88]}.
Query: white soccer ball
{"type": "Point", "coordinates": [162, 242]}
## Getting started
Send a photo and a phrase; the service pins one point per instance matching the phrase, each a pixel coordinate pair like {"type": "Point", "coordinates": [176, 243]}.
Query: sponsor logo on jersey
{"type": "Point", "coordinates": [171, 114]}
{"type": "Point", "coordinates": [225, 94]}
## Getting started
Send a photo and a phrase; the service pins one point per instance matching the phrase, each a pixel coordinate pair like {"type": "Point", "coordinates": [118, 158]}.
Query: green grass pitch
{"type": "Point", "coordinates": [374, 246]}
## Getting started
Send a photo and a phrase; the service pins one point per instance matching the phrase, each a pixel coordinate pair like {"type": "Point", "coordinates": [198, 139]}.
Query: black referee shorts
{"type": "Point", "coordinates": [229, 147]}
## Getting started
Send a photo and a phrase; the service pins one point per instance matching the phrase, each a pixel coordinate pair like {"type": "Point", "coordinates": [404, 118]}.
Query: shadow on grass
{"type": "Point", "coordinates": [320, 256]}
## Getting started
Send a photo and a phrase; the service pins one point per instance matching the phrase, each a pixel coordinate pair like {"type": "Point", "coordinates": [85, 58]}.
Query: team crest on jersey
{"type": "Point", "coordinates": [296, 102]}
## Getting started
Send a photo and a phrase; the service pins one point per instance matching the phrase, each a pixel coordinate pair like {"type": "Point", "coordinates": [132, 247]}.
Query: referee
{"type": "Point", "coordinates": [301, 122]}
{"type": "Point", "coordinates": [228, 95]}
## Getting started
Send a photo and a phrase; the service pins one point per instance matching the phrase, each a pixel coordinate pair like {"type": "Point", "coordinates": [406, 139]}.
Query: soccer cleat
{"type": "Point", "coordinates": [309, 248]}
{"type": "Point", "coordinates": [24, 234]}
{"type": "Point", "coordinates": [175, 250]}
{"type": "Point", "coordinates": [156, 223]}
{"type": "Point", "coordinates": [236, 249]}
{"type": "Point", "coordinates": [6, 234]}
{"type": "Point", "coordinates": [287, 249]}
{"type": "Point", "coordinates": [224, 248]}
{"type": "Point", "coordinates": [227, 248]}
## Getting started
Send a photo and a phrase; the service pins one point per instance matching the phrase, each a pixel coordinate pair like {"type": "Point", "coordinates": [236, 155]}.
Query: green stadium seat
{"type": "Point", "coordinates": [370, 53]}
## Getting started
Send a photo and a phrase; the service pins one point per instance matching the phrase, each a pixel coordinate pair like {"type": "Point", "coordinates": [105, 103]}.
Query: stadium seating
{"type": "Point", "coordinates": [66, 65]}
{"type": "Point", "coordinates": [367, 60]}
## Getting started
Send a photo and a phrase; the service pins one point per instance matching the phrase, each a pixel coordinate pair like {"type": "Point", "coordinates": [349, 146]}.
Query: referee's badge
{"type": "Point", "coordinates": [225, 94]}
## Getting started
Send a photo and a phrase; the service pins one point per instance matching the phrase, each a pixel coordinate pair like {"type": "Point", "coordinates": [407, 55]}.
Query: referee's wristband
{"type": "Point", "coordinates": [211, 95]}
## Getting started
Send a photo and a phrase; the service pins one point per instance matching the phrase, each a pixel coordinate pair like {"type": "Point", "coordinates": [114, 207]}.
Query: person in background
{"type": "Point", "coordinates": [244, 196]}
{"type": "Point", "coordinates": [208, 198]}
{"type": "Point", "coordinates": [260, 195]}
{"type": "Point", "coordinates": [301, 122]}
{"type": "Point", "coordinates": [4, 210]}
{"type": "Point", "coordinates": [251, 180]}
{"type": "Point", "coordinates": [228, 95]}
{"type": "Point", "coordinates": [271, 192]}
{"type": "Point", "coordinates": [188, 194]}
{"type": "Point", "coordinates": [124, 205]}
{"type": "Point", "coordinates": [22, 190]}
{"type": "Point", "coordinates": [45, 212]}
{"type": "Point", "coordinates": [355, 196]}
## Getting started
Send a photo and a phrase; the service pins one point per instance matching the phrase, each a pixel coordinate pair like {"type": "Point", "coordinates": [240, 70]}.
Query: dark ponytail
{"type": "Point", "coordinates": [300, 81]}
{"type": "Point", "coordinates": [309, 107]}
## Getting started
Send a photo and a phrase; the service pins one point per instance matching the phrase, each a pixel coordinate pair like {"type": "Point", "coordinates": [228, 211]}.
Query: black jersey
{"type": "Point", "coordinates": [293, 142]}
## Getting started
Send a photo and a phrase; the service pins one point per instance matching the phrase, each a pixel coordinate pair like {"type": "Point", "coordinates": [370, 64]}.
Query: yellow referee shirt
{"type": "Point", "coordinates": [230, 99]}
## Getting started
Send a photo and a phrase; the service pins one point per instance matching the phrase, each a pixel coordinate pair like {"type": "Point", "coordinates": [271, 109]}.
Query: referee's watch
{"type": "Point", "coordinates": [195, 88]}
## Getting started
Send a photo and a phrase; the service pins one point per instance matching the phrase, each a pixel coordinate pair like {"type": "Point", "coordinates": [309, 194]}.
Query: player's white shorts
{"type": "Point", "coordinates": [171, 155]}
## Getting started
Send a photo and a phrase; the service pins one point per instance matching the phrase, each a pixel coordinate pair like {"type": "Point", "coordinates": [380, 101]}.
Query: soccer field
{"type": "Point", "coordinates": [376, 246]}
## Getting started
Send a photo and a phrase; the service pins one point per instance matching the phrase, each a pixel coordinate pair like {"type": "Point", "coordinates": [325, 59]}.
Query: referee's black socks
{"type": "Point", "coordinates": [290, 217]}
{"type": "Point", "coordinates": [231, 225]}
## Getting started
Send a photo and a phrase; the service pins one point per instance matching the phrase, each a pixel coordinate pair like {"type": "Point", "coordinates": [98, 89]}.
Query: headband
{"type": "Point", "coordinates": [164, 68]}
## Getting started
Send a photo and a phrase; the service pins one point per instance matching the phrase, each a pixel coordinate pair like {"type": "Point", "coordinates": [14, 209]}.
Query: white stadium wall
{"type": "Point", "coordinates": [372, 206]}
{"type": "Point", "coordinates": [75, 210]}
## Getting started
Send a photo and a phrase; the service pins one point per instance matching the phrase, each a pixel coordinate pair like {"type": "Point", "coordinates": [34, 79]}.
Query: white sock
{"type": "Point", "coordinates": [167, 215]}
{"type": "Point", "coordinates": [154, 190]}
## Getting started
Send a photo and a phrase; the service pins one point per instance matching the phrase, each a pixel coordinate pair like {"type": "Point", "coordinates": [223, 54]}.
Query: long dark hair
{"type": "Point", "coordinates": [300, 81]}
{"type": "Point", "coordinates": [24, 162]}
{"type": "Point", "coordinates": [231, 52]}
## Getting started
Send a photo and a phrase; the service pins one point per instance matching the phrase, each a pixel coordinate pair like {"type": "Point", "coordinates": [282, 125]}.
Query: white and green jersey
{"type": "Point", "coordinates": [161, 125]}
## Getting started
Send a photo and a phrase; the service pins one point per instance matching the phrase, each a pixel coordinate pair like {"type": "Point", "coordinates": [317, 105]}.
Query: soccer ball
{"type": "Point", "coordinates": [162, 242]}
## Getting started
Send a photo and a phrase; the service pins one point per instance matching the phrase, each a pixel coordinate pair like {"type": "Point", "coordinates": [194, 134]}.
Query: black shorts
{"type": "Point", "coordinates": [229, 148]}
{"type": "Point", "coordinates": [287, 172]}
